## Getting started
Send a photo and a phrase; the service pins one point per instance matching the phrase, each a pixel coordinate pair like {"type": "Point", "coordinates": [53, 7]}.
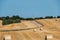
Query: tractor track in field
{"type": "Point", "coordinates": [17, 29]}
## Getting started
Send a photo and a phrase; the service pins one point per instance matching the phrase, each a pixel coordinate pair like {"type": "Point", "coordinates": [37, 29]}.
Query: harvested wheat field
{"type": "Point", "coordinates": [42, 29]}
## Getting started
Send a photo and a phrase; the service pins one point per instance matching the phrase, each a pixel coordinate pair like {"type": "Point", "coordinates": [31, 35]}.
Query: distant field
{"type": "Point", "coordinates": [35, 30]}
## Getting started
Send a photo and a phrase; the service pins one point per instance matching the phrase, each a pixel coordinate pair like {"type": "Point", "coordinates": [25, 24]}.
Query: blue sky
{"type": "Point", "coordinates": [30, 8]}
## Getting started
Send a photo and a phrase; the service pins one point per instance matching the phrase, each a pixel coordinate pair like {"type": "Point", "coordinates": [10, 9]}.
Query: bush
{"type": "Point", "coordinates": [4, 22]}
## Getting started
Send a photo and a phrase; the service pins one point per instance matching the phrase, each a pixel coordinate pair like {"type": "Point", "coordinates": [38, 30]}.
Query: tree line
{"type": "Point", "coordinates": [8, 20]}
{"type": "Point", "coordinates": [17, 19]}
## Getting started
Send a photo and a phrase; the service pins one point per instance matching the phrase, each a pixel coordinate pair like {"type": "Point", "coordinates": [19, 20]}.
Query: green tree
{"type": "Point", "coordinates": [41, 18]}
{"type": "Point", "coordinates": [0, 18]}
{"type": "Point", "coordinates": [49, 17]}
{"type": "Point", "coordinates": [7, 17]}
{"type": "Point", "coordinates": [29, 19]}
{"type": "Point", "coordinates": [3, 18]}
{"type": "Point", "coordinates": [58, 16]}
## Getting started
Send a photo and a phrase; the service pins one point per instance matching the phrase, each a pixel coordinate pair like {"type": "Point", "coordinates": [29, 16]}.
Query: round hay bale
{"type": "Point", "coordinates": [7, 37]}
{"type": "Point", "coordinates": [49, 37]}
{"type": "Point", "coordinates": [34, 30]}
